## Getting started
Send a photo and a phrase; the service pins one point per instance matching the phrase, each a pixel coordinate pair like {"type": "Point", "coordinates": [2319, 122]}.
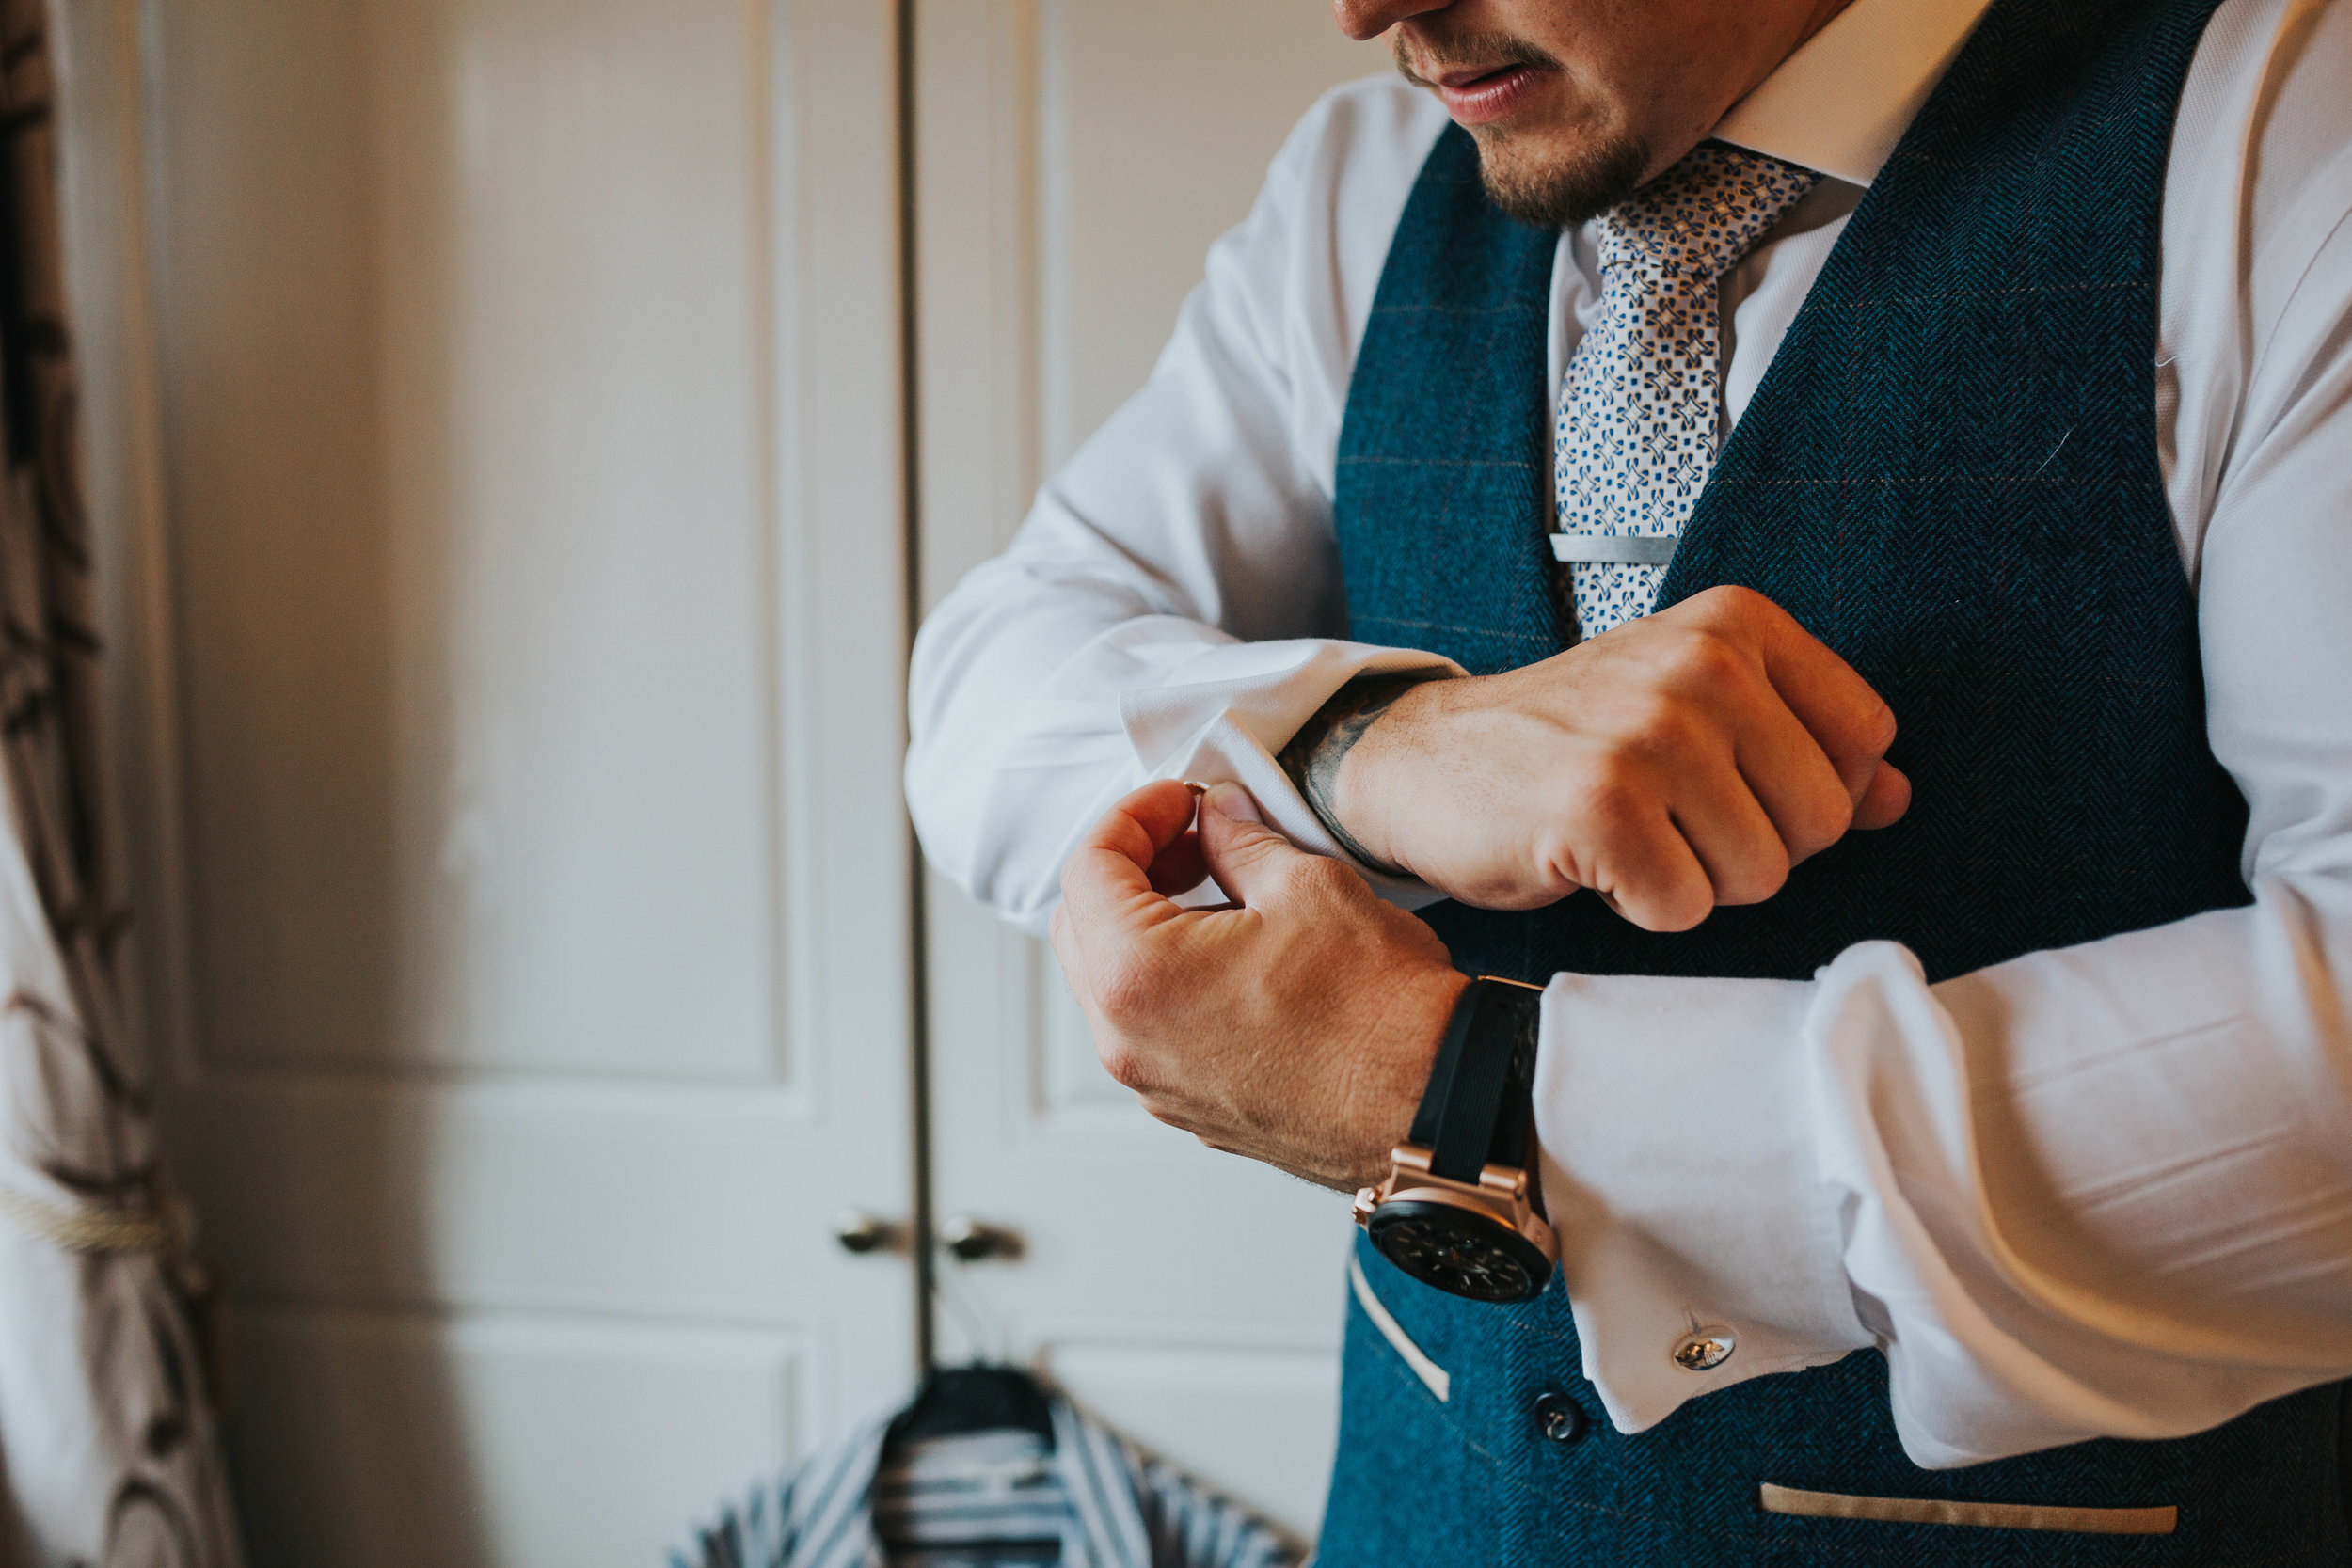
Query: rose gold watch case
{"type": "Point", "coordinates": [1502, 1195]}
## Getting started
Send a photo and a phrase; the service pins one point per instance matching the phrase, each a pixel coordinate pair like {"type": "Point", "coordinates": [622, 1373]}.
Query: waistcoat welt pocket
{"type": "Point", "coordinates": [1929, 1511]}
{"type": "Point", "coordinates": [1433, 1377]}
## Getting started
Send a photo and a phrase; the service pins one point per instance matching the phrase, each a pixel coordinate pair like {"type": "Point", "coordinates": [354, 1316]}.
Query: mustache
{"type": "Point", "coordinates": [1443, 52]}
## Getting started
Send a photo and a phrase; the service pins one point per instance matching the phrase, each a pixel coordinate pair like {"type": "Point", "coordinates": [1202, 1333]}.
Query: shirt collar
{"type": "Point", "coordinates": [1841, 103]}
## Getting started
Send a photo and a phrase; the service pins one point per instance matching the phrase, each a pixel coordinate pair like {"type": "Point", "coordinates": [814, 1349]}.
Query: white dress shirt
{"type": "Point", "coordinates": [2099, 1191]}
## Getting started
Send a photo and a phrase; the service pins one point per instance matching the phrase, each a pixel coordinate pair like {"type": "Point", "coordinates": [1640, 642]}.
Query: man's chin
{"type": "Point", "coordinates": [1555, 191]}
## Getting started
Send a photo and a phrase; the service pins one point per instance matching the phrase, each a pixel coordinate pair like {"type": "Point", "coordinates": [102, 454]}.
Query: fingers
{"type": "Point", "coordinates": [1885, 800]}
{"type": "Point", "coordinates": [1851, 722]}
{"type": "Point", "coordinates": [1107, 880]}
{"type": "Point", "coordinates": [1247, 858]}
{"type": "Point", "coordinates": [1748, 829]}
{"type": "Point", "coordinates": [1792, 779]}
{"type": "Point", "coordinates": [1808, 738]}
{"type": "Point", "coordinates": [1179, 867]}
{"type": "Point", "coordinates": [1735, 843]}
{"type": "Point", "coordinates": [1653, 878]}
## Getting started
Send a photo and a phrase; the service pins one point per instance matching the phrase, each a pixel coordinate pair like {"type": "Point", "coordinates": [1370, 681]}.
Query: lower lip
{"type": "Point", "coordinates": [1489, 98]}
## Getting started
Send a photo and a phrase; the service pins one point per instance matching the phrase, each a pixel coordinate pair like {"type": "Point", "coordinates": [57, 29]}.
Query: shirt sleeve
{"type": "Point", "coordinates": [1172, 607]}
{"type": "Point", "coordinates": [2102, 1191]}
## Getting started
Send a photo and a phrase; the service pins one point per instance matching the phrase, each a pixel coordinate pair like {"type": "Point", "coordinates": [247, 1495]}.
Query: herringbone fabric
{"type": "Point", "coordinates": [1641, 403]}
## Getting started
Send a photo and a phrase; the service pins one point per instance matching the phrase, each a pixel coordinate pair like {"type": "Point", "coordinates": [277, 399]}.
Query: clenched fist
{"type": "Point", "coordinates": [1679, 762]}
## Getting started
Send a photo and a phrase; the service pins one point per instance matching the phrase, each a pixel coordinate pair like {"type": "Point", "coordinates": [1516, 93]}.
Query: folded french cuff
{"type": "Point", "coordinates": [1680, 1172]}
{"type": "Point", "coordinates": [1234, 707]}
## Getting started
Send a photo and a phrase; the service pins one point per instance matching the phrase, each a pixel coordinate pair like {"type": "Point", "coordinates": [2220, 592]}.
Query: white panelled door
{"type": "Point", "coordinates": [515, 689]}
{"type": "Point", "coordinates": [1075, 159]}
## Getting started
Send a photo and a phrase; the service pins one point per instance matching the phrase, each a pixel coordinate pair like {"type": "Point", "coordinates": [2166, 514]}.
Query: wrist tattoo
{"type": "Point", "coordinates": [1312, 757]}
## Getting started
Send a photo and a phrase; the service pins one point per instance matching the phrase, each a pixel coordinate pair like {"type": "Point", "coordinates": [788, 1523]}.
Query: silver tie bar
{"type": "Point", "coordinates": [1616, 549]}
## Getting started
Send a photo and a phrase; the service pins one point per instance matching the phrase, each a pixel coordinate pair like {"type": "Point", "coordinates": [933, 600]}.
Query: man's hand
{"type": "Point", "coordinates": [1679, 762]}
{"type": "Point", "coordinates": [1296, 1026]}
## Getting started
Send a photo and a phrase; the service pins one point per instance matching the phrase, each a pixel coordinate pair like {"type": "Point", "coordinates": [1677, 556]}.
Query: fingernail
{"type": "Point", "coordinates": [1231, 800]}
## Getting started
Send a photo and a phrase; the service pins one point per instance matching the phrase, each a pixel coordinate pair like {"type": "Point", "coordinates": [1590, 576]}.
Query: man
{"type": "Point", "coordinates": [1844, 518]}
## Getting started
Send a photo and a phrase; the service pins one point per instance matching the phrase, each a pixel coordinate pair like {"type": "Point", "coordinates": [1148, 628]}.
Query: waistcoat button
{"type": "Point", "coordinates": [1559, 1418]}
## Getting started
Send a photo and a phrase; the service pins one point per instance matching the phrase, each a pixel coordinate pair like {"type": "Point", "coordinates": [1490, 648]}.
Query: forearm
{"type": "Point", "coordinates": [2102, 1191]}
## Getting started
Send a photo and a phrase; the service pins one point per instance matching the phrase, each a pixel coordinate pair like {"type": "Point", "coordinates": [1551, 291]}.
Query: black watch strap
{"type": "Point", "coordinates": [1478, 1109]}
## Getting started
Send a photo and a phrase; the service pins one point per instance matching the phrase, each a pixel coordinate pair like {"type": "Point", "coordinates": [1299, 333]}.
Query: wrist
{"type": "Point", "coordinates": [1391, 1071]}
{"type": "Point", "coordinates": [1324, 748]}
{"type": "Point", "coordinates": [1373, 777]}
{"type": "Point", "coordinates": [1459, 1209]}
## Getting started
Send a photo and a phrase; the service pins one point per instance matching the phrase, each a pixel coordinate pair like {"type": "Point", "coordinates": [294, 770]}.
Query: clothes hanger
{"type": "Point", "coordinates": [986, 1394]}
{"type": "Point", "coordinates": [955, 1402]}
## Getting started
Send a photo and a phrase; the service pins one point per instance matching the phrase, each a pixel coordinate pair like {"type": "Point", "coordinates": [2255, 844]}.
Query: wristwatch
{"type": "Point", "coordinates": [1460, 1209]}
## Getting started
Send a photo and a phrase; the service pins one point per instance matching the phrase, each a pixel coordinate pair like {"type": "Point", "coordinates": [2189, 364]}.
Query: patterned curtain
{"type": "Point", "coordinates": [107, 1449]}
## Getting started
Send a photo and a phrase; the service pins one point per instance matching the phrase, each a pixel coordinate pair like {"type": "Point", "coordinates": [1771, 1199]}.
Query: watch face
{"type": "Point", "coordinates": [1460, 1251]}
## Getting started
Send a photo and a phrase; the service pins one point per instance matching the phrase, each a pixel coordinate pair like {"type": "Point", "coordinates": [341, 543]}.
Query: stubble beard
{"type": "Point", "coordinates": [1599, 170]}
{"type": "Point", "coordinates": [1564, 190]}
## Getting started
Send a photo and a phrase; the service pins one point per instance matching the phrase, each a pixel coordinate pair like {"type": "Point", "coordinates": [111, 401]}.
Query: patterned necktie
{"type": "Point", "coordinates": [1639, 404]}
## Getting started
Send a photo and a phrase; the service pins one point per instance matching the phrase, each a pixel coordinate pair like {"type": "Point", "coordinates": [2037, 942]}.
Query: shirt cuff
{"type": "Point", "coordinates": [1230, 707]}
{"type": "Point", "coordinates": [1679, 1170]}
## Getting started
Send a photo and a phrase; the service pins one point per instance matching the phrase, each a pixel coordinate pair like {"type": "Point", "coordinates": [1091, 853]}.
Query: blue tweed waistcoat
{"type": "Point", "coordinates": [1950, 474]}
